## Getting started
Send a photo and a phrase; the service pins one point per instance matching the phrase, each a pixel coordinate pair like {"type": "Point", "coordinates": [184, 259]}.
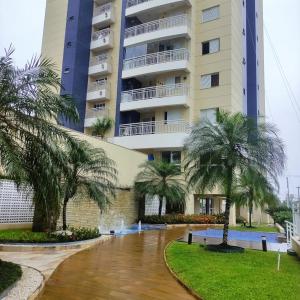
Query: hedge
{"type": "Point", "coordinates": [183, 219]}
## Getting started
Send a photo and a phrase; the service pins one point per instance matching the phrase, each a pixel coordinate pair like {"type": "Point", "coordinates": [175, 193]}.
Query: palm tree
{"type": "Point", "coordinates": [254, 189]}
{"type": "Point", "coordinates": [217, 152]}
{"type": "Point", "coordinates": [162, 179]}
{"type": "Point", "coordinates": [102, 126]}
{"type": "Point", "coordinates": [30, 106]}
{"type": "Point", "coordinates": [91, 171]}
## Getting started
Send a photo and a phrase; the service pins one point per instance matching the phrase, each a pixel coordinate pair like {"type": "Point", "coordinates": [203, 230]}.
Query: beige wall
{"type": "Point", "coordinates": [54, 31]}
{"type": "Point", "coordinates": [123, 207]}
{"type": "Point", "coordinates": [127, 161]}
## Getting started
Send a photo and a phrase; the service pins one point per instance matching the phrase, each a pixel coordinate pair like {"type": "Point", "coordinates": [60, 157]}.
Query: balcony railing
{"type": "Point", "coordinates": [96, 113]}
{"type": "Point", "coordinates": [162, 91]}
{"type": "Point", "coordinates": [155, 127]}
{"type": "Point", "coordinates": [161, 24]}
{"type": "Point", "coordinates": [131, 3]}
{"type": "Point", "coordinates": [106, 8]}
{"type": "Point", "coordinates": [97, 35]}
{"type": "Point", "coordinates": [97, 86]}
{"type": "Point", "coordinates": [156, 58]}
{"type": "Point", "coordinates": [99, 59]}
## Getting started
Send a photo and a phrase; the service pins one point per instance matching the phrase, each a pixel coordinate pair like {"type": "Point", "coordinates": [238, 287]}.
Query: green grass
{"type": "Point", "coordinates": [9, 274]}
{"type": "Point", "coordinates": [260, 228]}
{"type": "Point", "coordinates": [23, 235]}
{"type": "Point", "coordinates": [250, 275]}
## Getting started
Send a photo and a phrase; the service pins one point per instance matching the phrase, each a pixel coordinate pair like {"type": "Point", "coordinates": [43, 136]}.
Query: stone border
{"type": "Point", "coordinates": [190, 290]}
{"type": "Point", "coordinates": [24, 247]}
{"type": "Point", "coordinates": [79, 246]}
{"type": "Point", "coordinates": [280, 228]}
{"type": "Point", "coordinates": [15, 285]}
{"type": "Point", "coordinates": [170, 226]}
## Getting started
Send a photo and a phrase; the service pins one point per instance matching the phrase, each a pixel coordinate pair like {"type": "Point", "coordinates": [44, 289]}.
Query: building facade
{"type": "Point", "coordinates": [156, 67]}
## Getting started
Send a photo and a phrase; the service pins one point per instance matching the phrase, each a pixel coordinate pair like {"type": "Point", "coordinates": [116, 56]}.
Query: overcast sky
{"type": "Point", "coordinates": [21, 23]}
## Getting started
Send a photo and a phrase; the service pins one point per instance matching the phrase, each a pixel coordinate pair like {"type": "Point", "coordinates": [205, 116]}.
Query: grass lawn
{"type": "Point", "coordinates": [250, 275]}
{"type": "Point", "coordinates": [9, 274]}
{"type": "Point", "coordinates": [24, 235]}
{"type": "Point", "coordinates": [260, 228]}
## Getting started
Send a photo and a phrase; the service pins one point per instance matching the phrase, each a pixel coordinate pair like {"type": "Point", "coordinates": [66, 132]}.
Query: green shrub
{"type": "Point", "coordinates": [9, 274]}
{"type": "Point", "coordinates": [183, 219]}
{"type": "Point", "coordinates": [27, 236]}
{"type": "Point", "coordinates": [280, 214]}
{"type": "Point", "coordinates": [78, 234]}
{"type": "Point", "coordinates": [240, 220]}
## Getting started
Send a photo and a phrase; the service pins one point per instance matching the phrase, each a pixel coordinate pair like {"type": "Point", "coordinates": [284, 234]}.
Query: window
{"type": "Point", "coordinates": [173, 157]}
{"type": "Point", "coordinates": [209, 80]}
{"type": "Point", "coordinates": [99, 106]}
{"type": "Point", "coordinates": [211, 46]}
{"type": "Point", "coordinates": [208, 115]}
{"type": "Point", "coordinates": [210, 14]}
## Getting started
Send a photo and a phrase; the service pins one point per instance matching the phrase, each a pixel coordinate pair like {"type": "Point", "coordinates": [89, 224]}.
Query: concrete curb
{"type": "Point", "coordinates": [19, 247]}
{"type": "Point", "coordinates": [191, 291]}
{"type": "Point", "coordinates": [170, 226]}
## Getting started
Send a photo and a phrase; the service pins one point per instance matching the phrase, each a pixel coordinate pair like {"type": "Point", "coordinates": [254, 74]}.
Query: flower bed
{"type": "Point", "coordinates": [183, 219]}
{"type": "Point", "coordinates": [27, 236]}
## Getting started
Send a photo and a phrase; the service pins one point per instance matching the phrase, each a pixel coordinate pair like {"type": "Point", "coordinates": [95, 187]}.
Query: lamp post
{"type": "Point", "coordinates": [264, 243]}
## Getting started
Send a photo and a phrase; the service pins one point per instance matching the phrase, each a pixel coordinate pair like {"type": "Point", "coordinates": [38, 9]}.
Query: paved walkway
{"type": "Point", "coordinates": [124, 268]}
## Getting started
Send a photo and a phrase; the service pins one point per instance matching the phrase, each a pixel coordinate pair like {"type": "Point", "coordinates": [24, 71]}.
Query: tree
{"type": "Point", "coordinates": [253, 189]}
{"type": "Point", "coordinates": [90, 170]}
{"type": "Point", "coordinates": [216, 153]}
{"type": "Point", "coordinates": [30, 106]}
{"type": "Point", "coordinates": [162, 179]}
{"type": "Point", "coordinates": [102, 126]}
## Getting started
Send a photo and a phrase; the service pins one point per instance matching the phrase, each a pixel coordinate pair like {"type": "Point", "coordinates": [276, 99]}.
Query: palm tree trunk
{"type": "Point", "coordinates": [64, 213]}
{"type": "Point", "coordinates": [160, 205]}
{"type": "Point", "coordinates": [227, 207]}
{"type": "Point", "coordinates": [250, 214]}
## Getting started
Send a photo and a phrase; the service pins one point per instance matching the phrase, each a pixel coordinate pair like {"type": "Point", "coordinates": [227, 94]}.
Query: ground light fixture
{"type": "Point", "coordinates": [190, 238]}
{"type": "Point", "coordinates": [264, 243]}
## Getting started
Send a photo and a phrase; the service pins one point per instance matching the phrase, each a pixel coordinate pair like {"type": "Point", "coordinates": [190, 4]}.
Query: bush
{"type": "Point", "coordinates": [77, 234]}
{"type": "Point", "coordinates": [183, 219]}
{"type": "Point", "coordinates": [240, 220]}
{"type": "Point", "coordinates": [27, 236]}
{"type": "Point", "coordinates": [9, 274]}
{"type": "Point", "coordinates": [280, 214]}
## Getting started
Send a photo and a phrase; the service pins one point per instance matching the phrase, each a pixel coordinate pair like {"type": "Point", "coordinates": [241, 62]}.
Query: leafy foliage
{"type": "Point", "coordinates": [27, 236]}
{"type": "Point", "coordinates": [102, 126]}
{"type": "Point", "coordinates": [280, 214]}
{"type": "Point", "coordinates": [183, 219]}
{"type": "Point", "coordinates": [253, 190]}
{"type": "Point", "coordinates": [30, 106]}
{"type": "Point", "coordinates": [217, 153]}
{"type": "Point", "coordinates": [9, 274]}
{"type": "Point", "coordinates": [92, 171]}
{"type": "Point", "coordinates": [162, 179]}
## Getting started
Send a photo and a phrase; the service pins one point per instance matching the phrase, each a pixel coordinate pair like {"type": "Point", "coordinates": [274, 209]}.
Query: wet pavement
{"type": "Point", "coordinates": [130, 267]}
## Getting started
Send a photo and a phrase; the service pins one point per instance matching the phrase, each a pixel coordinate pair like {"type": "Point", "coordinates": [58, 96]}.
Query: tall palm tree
{"type": "Point", "coordinates": [90, 170]}
{"type": "Point", "coordinates": [254, 190]}
{"type": "Point", "coordinates": [101, 127]}
{"type": "Point", "coordinates": [30, 106]}
{"type": "Point", "coordinates": [162, 179]}
{"type": "Point", "coordinates": [217, 152]}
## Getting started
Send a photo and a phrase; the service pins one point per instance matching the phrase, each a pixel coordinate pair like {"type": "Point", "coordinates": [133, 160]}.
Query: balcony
{"type": "Point", "coordinates": [162, 29]}
{"type": "Point", "coordinates": [103, 15]}
{"type": "Point", "coordinates": [153, 135]}
{"type": "Point", "coordinates": [92, 115]}
{"type": "Point", "coordinates": [102, 39]}
{"type": "Point", "coordinates": [100, 65]}
{"type": "Point", "coordinates": [156, 63]}
{"type": "Point", "coordinates": [155, 97]}
{"type": "Point", "coordinates": [141, 6]}
{"type": "Point", "coordinates": [98, 91]}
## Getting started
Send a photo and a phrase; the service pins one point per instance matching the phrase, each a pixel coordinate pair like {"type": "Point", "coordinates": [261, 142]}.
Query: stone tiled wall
{"type": "Point", "coordinates": [83, 212]}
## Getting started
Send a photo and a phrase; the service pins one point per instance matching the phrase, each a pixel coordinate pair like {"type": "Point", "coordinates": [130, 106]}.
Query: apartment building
{"type": "Point", "coordinates": [156, 67]}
